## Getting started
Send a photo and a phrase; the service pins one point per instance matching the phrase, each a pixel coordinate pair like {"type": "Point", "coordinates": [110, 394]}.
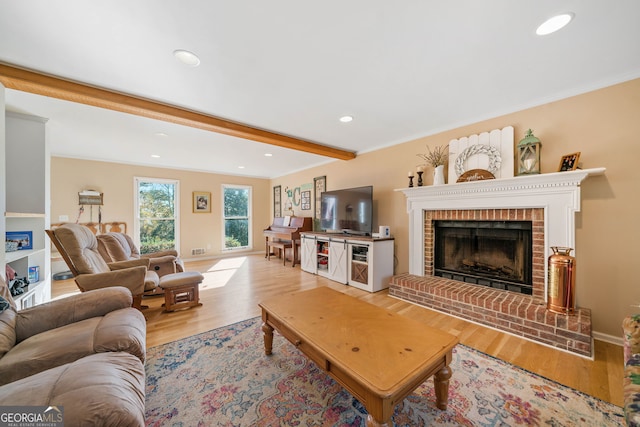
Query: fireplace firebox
{"type": "Point", "coordinates": [497, 254]}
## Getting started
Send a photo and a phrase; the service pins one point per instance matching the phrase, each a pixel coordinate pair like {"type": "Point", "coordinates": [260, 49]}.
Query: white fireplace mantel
{"type": "Point", "coordinates": [558, 193]}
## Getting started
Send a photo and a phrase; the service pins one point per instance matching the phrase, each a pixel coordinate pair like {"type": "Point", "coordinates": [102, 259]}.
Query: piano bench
{"type": "Point", "coordinates": [282, 246]}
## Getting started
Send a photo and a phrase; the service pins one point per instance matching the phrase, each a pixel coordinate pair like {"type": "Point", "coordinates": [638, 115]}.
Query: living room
{"type": "Point", "coordinates": [598, 121]}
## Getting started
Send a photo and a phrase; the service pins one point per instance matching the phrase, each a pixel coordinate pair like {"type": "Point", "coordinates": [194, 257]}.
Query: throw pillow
{"type": "Point", "coordinates": [4, 304]}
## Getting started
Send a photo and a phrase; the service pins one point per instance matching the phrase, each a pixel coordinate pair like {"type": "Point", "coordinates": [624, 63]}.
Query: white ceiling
{"type": "Point", "coordinates": [402, 69]}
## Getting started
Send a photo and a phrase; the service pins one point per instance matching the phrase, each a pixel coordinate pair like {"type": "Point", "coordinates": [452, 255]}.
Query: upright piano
{"type": "Point", "coordinates": [278, 232]}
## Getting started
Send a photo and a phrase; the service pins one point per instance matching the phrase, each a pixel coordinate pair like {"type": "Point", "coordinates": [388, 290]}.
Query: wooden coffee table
{"type": "Point", "coordinates": [378, 355]}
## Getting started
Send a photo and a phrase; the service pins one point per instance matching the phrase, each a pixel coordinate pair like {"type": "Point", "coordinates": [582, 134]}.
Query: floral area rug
{"type": "Point", "coordinates": [223, 378]}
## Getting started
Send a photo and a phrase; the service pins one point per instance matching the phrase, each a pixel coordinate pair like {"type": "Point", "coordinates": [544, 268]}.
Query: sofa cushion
{"type": "Point", "coordinates": [48, 349]}
{"type": "Point", "coordinates": [105, 389]}
{"type": "Point", "coordinates": [4, 304]}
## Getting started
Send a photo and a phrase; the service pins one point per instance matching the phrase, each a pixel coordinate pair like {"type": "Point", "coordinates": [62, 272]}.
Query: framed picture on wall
{"type": "Point", "coordinates": [277, 201]}
{"type": "Point", "coordinates": [305, 201]}
{"type": "Point", "coordinates": [319, 186]}
{"type": "Point", "coordinates": [18, 240]}
{"type": "Point", "coordinates": [201, 202]}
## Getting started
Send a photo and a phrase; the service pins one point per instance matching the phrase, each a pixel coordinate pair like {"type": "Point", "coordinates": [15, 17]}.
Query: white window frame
{"type": "Point", "coordinates": [136, 207]}
{"type": "Point", "coordinates": [249, 217]}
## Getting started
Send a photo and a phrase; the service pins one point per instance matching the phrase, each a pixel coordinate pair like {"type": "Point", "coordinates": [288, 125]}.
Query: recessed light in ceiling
{"type": "Point", "coordinates": [155, 156]}
{"type": "Point", "coordinates": [554, 23]}
{"type": "Point", "coordinates": [161, 134]}
{"type": "Point", "coordinates": [186, 57]}
{"type": "Point", "coordinates": [240, 167]}
{"type": "Point", "coordinates": [268, 155]}
{"type": "Point", "coordinates": [346, 119]}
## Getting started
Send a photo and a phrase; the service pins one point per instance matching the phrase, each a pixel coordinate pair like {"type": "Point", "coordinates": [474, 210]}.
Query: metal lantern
{"type": "Point", "coordinates": [529, 154]}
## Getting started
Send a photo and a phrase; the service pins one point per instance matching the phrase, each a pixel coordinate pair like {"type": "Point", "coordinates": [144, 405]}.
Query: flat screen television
{"type": "Point", "coordinates": [348, 211]}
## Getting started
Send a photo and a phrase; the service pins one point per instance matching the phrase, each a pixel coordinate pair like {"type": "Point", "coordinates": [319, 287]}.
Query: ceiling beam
{"type": "Point", "coordinates": [42, 84]}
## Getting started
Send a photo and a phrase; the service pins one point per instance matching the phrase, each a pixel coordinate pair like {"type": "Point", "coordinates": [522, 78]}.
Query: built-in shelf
{"type": "Point", "coordinates": [23, 215]}
{"type": "Point", "coordinates": [16, 255]}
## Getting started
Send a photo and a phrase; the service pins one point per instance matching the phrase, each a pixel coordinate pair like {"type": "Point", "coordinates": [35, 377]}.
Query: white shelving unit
{"type": "Point", "coordinates": [20, 260]}
{"type": "Point", "coordinates": [26, 202]}
{"type": "Point", "coordinates": [362, 262]}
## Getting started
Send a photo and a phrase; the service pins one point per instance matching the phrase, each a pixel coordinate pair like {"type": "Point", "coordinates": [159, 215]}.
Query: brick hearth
{"type": "Point", "coordinates": [518, 314]}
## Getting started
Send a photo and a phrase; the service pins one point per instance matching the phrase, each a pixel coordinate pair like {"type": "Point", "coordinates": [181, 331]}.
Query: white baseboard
{"type": "Point", "coordinates": [611, 339]}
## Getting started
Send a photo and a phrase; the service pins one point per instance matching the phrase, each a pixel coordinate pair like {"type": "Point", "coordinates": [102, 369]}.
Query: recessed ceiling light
{"type": "Point", "coordinates": [186, 57]}
{"type": "Point", "coordinates": [554, 23]}
{"type": "Point", "coordinates": [268, 155]}
{"type": "Point", "coordinates": [161, 134]}
{"type": "Point", "coordinates": [240, 167]}
{"type": "Point", "coordinates": [155, 156]}
{"type": "Point", "coordinates": [346, 119]}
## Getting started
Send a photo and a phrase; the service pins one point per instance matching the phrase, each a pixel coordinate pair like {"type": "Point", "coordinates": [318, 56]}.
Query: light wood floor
{"type": "Point", "coordinates": [234, 286]}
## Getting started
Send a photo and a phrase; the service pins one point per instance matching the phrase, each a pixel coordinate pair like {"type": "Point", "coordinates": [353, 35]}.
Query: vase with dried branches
{"type": "Point", "coordinates": [436, 158]}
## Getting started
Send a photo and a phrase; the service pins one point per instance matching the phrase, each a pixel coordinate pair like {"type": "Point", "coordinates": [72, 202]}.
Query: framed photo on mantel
{"type": "Point", "coordinates": [569, 162]}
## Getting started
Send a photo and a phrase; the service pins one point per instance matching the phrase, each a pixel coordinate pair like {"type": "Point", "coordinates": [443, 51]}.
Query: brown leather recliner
{"type": "Point", "coordinates": [79, 249]}
{"type": "Point", "coordinates": [64, 330]}
{"type": "Point", "coordinates": [84, 353]}
{"type": "Point", "coordinates": [116, 247]}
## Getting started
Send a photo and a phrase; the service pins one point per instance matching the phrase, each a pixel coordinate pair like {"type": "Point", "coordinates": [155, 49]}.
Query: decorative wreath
{"type": "Point", "coordinates": [494, 157]}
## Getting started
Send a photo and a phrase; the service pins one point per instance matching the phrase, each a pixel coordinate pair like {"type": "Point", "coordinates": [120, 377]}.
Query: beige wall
{"type": "Point", "coordinates": [116, 181]}
{"type": "Point", "coordinates": [602, 125]}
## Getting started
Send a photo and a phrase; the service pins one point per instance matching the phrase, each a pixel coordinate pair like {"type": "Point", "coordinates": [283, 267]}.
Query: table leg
{"type": "Point", "coordinates": [268, 338]}
{"type": "Point", "coordinates": [441, 385]}
{"type": "Point", "coordinates": [295, 252]}
{"type": "Point", "coordinates": [372, 422]}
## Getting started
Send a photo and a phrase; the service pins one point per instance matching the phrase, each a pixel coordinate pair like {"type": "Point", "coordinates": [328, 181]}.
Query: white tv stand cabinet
{"type": "Point", "coordinates": [362, 262]}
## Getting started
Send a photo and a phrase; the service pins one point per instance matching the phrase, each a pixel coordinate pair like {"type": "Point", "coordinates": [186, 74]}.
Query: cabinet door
{"type": "Point", "coordinates": [359, 265]}
{"type": "Point", "coordinates": [308, 254]}
{"type": "Point", "coordinates": [338, 261]}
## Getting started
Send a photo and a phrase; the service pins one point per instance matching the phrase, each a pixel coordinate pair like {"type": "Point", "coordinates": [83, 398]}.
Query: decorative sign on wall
{"type": "Point", "coordinates": [277, 201]}
{"type": "Point", "coordinates": [491, 151]}
{"type": "Point", "coordinates": [319, 186]}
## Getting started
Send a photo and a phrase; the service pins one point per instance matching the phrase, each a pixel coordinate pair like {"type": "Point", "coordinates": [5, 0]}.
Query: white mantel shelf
{"type": "Point", "coordinates": [558, 193]}
{"type": "Point", "coordinates": [493, 187]}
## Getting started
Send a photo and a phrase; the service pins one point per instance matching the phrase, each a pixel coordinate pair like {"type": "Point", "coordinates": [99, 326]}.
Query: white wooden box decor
{"type": "Point", "coordinates": [492, 151]}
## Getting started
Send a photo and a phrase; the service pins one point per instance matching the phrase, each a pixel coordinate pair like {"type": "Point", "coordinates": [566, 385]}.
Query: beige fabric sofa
{"type": "Point", "coordinates": [85, 353]}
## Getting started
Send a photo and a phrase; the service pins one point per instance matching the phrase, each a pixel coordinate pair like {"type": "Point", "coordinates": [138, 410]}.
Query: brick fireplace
{"type": "Point", "coordinates": [549, 201]}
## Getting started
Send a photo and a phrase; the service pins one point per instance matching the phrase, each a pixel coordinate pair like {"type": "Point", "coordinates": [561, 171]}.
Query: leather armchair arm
{"type": "Point", "coordinates": [54, 314]}
{"type": "Point", "coordinates": [162, 259]}
{"type": "Point", "coordinates": [158, 254]}
{"type": "Point", "coordinates": [130, 278]}
{"type": "Point", "coordinates": [119, 265]}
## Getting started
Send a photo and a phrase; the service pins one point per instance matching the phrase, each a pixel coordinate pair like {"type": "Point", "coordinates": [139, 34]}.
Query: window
{"type": "Point", "coordinates": [156, 216]}
{"type": "Point", "coordinates": [236, 209]}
